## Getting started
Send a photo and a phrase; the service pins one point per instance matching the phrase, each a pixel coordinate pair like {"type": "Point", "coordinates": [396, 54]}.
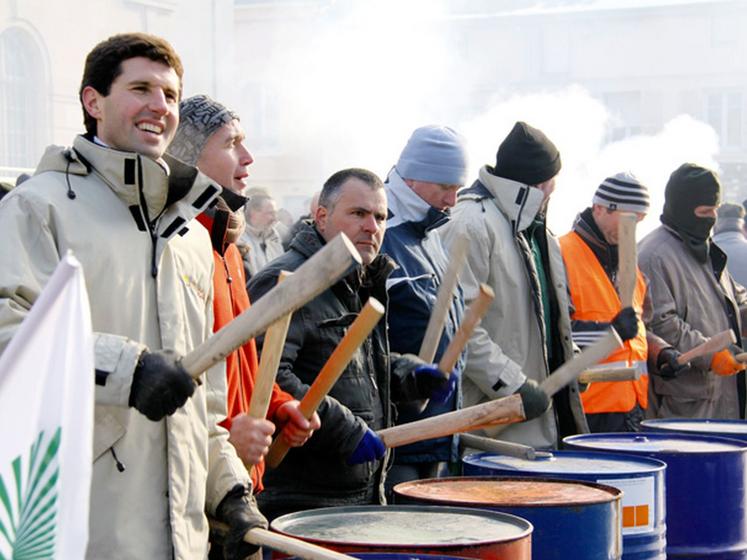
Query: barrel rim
{"type": "Point", "coordinates": [654, 465]}
{"type": "Point", "coordinates": [738, 445]}
{"type": "Point", "coordinates": [663, 423]}
{"type": "Point", "coordinates": [525, 527]}
{"type": "Point", "coordinates": [616, 492]}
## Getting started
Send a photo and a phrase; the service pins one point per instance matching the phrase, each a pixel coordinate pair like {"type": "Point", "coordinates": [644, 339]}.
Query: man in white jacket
{"type": "Point", "coordinates": [526, 333]}
{"type": "Point", "coordinates": [161, 461]}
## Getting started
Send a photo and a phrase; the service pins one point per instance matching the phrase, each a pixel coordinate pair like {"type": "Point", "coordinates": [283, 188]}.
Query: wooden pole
{"type": "Point", "coordinates": [714, 344]}
{"type": "Point", "coordinates": [317, 274]}
{"type": "Point", "coordinates": [509, 448]}
{"type": "Point", "coordinates": [627, 257]}
{"type": "Point", "coordinates": [444, 298]}
{"type": "Point", "coordinates": [284, 544]}
{"type": "Point", "coordinates": [357, 333]}
{"type": "Point", "coordinates": [609, 374]}
{"type": "Point", "coordinates": [272, 350]}
{"type": "Point", "coordinates": [500, 411]}
{"type": "Point", "coordinates": [472, 318]}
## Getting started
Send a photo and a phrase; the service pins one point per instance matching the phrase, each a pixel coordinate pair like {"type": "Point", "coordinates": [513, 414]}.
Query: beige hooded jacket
{"type": "Point", "coordinates": [147, 289]}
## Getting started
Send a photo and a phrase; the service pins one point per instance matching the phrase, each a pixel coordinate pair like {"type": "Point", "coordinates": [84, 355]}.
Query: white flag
{"type": "Point", "coordinates": [46, 421]}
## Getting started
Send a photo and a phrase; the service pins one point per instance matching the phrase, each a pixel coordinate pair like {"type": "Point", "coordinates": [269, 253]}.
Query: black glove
{"type": "Point", "coordinates": [239, 511]}
{"type": "Point", "coordinates": [667, 365]}
{"type": "Point", "coordinates": [625, 323]}
{"type": "Point", "coordinates": [534, 399]}
{"type": "Point", "coordinates": [160, 385]}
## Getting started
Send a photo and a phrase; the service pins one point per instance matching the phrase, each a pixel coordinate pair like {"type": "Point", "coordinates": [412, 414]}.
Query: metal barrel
{"type": "Point", "coordinates": [705, 488]}
{"type": "Point", "coordinates": [447, 531]}
{"type": "Point", "coordinates": [734, 429]}
{"type": "Point", "coordinates": [395, 556]}
{"type": "Point", "coordinates": [641, 480]}
{"type": "Point", "coordinates": [571, 519]}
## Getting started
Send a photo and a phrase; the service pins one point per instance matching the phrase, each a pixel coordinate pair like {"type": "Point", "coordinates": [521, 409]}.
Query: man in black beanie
{"type": "Point", "coordinates": [526, 333]}
{"type": "Point", "coordinates": [694, 297]}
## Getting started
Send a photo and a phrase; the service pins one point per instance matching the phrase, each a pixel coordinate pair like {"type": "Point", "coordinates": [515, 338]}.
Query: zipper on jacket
{"type": "Point", "coordinates": [120, 464]}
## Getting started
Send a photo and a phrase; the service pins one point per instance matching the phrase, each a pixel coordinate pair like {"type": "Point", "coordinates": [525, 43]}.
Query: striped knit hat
{"type": "Point", "coordinates": [623, 191]}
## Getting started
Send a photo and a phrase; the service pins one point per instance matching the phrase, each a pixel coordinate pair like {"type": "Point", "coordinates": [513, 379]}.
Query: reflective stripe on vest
{"type": "Point", "coordinates": [595, 299]}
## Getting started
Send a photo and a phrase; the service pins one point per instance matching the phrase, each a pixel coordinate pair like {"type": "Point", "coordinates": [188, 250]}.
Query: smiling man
{"type": "Point", "coordinates": [341, 464]}
{"type": "Point", "coordinates": [127, 213]}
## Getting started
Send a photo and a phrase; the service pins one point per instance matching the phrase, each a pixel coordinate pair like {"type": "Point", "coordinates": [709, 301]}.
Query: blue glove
{"type": "Point", "coordinates": [435, 384]}
{"type": "Point", "coordinates": [370, 448]}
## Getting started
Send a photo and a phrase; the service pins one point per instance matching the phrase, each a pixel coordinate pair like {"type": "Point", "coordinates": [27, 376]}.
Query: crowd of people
{"type": "Point", "coordinates": [153, 201]}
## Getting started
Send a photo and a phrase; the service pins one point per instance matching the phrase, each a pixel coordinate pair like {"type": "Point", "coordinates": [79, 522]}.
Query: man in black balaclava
{"type": "Point", "coordinates": [694, 297]}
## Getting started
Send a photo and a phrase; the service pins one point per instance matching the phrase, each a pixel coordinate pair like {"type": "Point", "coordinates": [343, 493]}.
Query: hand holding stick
{"type": "Point", "coordinates": [714, 344]}
{"type": "Point", "coordinates": [332, 370]}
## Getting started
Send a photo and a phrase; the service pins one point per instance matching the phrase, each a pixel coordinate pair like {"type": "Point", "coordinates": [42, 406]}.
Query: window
{"type": "Point", "coordinates": [625, 114]}
{"type": "Point", "coordinates": [23, 93]}
{"type": "Point", "coordinates": [724, 114]}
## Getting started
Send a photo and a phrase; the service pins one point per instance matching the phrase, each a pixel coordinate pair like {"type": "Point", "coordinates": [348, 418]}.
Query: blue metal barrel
{"type": "Point", "coordinates": [734, 429]}
{"type": "Point", "coordinates": [641, 480]}
{"type": "Point", "coordinates": [394, 556]}
{"type": "Point", "coordinates": [706, 488]}
{"type": "Point", "coordinates": [572, 519]}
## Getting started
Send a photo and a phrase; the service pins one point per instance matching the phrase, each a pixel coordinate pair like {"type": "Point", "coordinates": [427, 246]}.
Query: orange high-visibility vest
{"type": "Point", "coordinates": [596, 299]}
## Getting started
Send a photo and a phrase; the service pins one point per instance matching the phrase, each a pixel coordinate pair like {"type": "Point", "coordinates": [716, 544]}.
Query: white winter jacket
{"type": "Point", "coordinates": [146, 289]}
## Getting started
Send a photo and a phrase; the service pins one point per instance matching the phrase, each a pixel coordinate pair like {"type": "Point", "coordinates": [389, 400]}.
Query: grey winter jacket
{"type": "Point", "coordinates": [510, 343]}
{"type": "Point", "coordinates": [691, 303]}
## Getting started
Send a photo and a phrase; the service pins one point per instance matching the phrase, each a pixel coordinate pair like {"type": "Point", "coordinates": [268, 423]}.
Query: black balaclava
{"type": "Point", "coordinates": [688, 187]}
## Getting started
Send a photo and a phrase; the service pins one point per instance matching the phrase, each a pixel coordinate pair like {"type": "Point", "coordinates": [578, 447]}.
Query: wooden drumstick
{"type": "Point", "coordinates": [714, 344]}
{"type": "Point", "coordinates": [357, 333]}
{"type": "Point", "coordinates": [472, 318]}
{"type": "Point", "coordinates": [457, 257]}
{"type": "Point", "coordinates": [321, 271]}
{"type": "Point", "coordinates": [282, 543]}
{"type": "Point", "coordinates": [627, 258]}
{"type": "Point", "coordinates": [609, 374]}
{"type": "Point", "coordinates": [509, 448]}
{"type": "Point", "coordinates": [272, 350]}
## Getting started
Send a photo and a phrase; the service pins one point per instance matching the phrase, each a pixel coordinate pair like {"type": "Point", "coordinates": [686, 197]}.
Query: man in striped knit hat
{"type": "Point", "coordinates": [591, 261]}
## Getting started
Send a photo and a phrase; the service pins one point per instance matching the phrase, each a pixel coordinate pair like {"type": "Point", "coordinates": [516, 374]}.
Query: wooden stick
{"type": "Point", "coordinates": [284, 544]}
{"type": "Point", "coordinates": [627, 258]}
{"type": "Point", "coordinates": [509, 448]}
{"type": "Point", "coordinates": [714, 344]}
{"type": "Point", "coordinates": [505, 410]}
{"type": "Point", "coordinates": [500, 411]}
{"type": "Point", "coordinates": [472, 318]}
{"type": "Point", "coordinates": [357, 333]}
{"type": "Point", "coordinates": [272, 350]}
{"type": "Point", "coordinates": [591, 355]}
{"type": "Point", "coordinates": [444, 298]}
{"type": "Point", "coordinates": [609, 374]}
{"type": "Point", "coordinates": [741, 357]}
{"type": "Point", "coordinates": [317, 274]}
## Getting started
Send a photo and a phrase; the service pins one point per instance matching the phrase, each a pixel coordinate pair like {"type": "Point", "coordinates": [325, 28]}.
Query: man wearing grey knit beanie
{"type": "Point", "coordinates": [591, 262]}
{"type": "Point", "coordinates": [211, 137]}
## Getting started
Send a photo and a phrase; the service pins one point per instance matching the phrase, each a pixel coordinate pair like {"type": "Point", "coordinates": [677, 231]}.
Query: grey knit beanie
{"type": "Point", "coordinates": [623, 191]}
{"type": "Point", "coordinates": [434, 154]}
{"type": "Point", "coordinates": [199, 117]}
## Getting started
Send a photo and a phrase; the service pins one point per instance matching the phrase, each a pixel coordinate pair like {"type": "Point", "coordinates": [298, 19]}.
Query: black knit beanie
{"type": "Point", "coordinates": [690, 186]}
{"type": "Point", "coordinates": [526, 155]}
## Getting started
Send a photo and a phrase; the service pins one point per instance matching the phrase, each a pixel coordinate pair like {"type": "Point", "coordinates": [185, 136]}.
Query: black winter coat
{"type": "Point", "coordinates": [316, 475]}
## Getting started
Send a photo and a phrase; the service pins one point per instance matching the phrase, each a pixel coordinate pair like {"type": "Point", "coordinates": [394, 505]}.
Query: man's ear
{"type": "Point", "coordinates": [320, 218]}
{"type": "Point", "coordinates": [92, 101]}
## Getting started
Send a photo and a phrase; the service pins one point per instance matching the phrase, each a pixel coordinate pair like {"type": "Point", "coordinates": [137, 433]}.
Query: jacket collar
{"type": "Point", "coordinates": [586, 228]}
{"type": "Point", "coordinates": [405, 206]}
{"type": "Point", "coordinates": [520, 203]}
{"type": "Point", "coordinates": [169, 201]}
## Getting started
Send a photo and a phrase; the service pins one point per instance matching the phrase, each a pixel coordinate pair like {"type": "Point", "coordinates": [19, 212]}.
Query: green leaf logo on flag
{"type": "Point", "coordinates": [30, 504]}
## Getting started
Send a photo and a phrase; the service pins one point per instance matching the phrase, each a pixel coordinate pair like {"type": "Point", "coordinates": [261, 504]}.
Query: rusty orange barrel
{"type": "Point", "coordinates": [572, 519]}
{"type": "Point", "coordinates": [444, 531]}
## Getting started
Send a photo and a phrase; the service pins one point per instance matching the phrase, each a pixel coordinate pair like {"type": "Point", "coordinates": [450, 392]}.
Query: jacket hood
{"type": "Point", "coordinates": [520, 203]}
{"type": "Point", "coordinates": [405, 206]}
{"type": "Point", "coordinates": [134, 178]}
